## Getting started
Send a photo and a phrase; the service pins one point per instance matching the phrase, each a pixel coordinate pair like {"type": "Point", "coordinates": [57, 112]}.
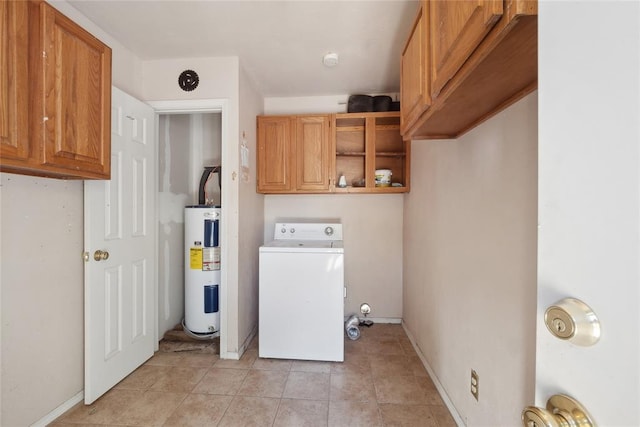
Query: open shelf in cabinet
{"type": "Point", "coordinates": [366, 142]}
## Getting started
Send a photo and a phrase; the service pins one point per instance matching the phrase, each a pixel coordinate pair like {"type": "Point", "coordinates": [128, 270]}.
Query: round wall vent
{"type": "Point", "coordinates": [188, 80]}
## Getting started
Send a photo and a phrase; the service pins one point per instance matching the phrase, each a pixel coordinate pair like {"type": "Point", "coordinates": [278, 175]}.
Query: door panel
{"type": "Point", "coordinates": [415, 93]}
{"type": "Point", "coordinates": [312, 148]}
{"type": "Point", "coordinates": [119, 290]}
{"type": "Point", "coordinates": [79, 67]}
{"type": "Point", "coordinates": [589, 202]}
{"type": "Point", "coordinates": [275, 154]}
{"type": "Point", "coordinates": [14, 81]}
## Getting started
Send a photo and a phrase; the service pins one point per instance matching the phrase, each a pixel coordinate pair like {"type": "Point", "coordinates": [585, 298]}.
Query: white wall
{"type": "Point", "coordinates": [589, 240]}
{"type": "Point", "coordinates": [42, 275]}
{"type": "Point", "coordinates": [312, 104]}
{"type": "Point", "coordinates": [470, 263]}
{"type": "Point", "coordinates": [372, 226]}
{"type": "Point", "coordinates": [250, 214]}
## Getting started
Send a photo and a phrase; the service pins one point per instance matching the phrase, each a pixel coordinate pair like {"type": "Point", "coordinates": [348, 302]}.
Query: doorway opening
{"type": "Point", "coordinates": [189, 138]}
{"type": "Point", "coordinates": [187, 143]}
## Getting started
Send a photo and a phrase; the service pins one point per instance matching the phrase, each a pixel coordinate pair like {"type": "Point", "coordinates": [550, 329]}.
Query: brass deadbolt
{"type": "Point", "coordinates": [573, 320]}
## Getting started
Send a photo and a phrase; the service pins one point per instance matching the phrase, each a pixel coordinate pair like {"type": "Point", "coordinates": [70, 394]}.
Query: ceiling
{"type": "Point", "coordinates": [280, 43]}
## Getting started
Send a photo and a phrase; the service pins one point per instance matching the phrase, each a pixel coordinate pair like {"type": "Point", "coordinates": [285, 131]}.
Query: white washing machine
{"type": "Point", "coordinates": [301, 293]}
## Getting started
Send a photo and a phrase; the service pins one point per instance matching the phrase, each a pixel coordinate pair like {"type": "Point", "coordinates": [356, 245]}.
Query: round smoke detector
{"type": "Point", "coordinates": [330, 59]}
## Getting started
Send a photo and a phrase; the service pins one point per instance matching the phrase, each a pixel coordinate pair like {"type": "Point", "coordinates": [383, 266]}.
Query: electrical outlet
{"type": "Point", "coordinates": [475, 384]}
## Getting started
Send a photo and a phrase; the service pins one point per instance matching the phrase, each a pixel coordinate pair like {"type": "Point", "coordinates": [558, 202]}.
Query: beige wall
{"type": "Point", "coordinates": [42, 295]}
{"type": "Point", "coordinates": [470, 263]}
{"type": "Point", "coordinates": [250, 215]}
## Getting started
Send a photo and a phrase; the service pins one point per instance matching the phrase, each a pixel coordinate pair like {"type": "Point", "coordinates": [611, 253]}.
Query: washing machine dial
{"type": "Point", "coordinates": [292, 230]}
{"type": "Point", "coordinates": [328, 231]}
{"type": "Point", "coordinates": [283, 230]}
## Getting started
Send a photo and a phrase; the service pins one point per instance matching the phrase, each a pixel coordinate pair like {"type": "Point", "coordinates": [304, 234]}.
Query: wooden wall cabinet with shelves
{"type": "Point", "coordinates": [56, 109]}
{"type": "Point", "coordinates": [477, 57]}
{"type": "Point", "coordinates": [302, 154]}
{"type": "Point", "coordinates": [368, 141]}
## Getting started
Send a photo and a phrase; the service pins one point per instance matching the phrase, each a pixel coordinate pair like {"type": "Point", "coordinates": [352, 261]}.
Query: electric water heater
{"type": "Point", "coordinates": [202, 269]}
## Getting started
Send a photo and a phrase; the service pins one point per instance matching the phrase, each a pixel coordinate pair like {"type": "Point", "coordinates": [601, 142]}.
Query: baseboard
{"type": "Point", "coordinates": [443, 394]}
{"type": "Point", "coordinates": [56, 413]}
{"type": "Point", "coordinates": [248, 340]}
{"type": "Point", "coordinates": [232, 355]}
{"type": "Point", "coordinates": [394, 320]}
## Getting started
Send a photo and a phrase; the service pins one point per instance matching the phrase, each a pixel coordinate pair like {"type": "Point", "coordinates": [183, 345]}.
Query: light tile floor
{"type": "Point", "coordinates": [382, 382]}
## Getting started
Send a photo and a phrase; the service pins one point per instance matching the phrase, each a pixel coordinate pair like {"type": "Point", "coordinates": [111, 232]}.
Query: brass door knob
{"type": "Point", "coordinates": [561, 411]}
{"type": "Point", "coordinates": [101, 255]}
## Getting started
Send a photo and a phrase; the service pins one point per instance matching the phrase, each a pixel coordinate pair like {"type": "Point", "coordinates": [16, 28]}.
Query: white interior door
{"type": "Point", "coordinates": [589, 202]}
{"type": "Point", "coordinates": [120, 220]}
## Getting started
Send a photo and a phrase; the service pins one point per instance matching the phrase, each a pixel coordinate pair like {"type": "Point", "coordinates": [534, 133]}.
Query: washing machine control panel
{"type": "Point", "coordinates": [308, 231]}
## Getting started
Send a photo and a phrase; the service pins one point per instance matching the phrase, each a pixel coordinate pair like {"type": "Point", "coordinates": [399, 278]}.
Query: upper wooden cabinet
{"type": "Point", "coordinates": [301, 154]}
{"type": "Point", "coordinates": [62, 77]}
{"type": "Point", "coordinates": [14, 72]}
{"type": "Point", "coordinates": [415, 90]}
{"type": "Point", "coordinates": [293, 154]}
{"type": "Point", "coordinates": [478, 57]}
{"type": "Point", "coordinates": [457, 28]}
{"type": "Point", "coordinates": [276, 154]}
{"type": "Point", "coordinates": [312, 153]}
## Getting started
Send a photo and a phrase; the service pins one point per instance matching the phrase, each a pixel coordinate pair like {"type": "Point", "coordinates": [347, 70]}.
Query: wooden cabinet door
{"type": "Point", "coordinates": [414, 83]}
{"type": "Point", "coordinates": [276, 156]}
{"type": "Point", "coordinates": [14, 83]}
{"type": "Point", "coordinates": [457, 28]}
{"type": "Point", "coordinates": [74, 107]}
{"type": "Point", "coordinates": [312, 153]}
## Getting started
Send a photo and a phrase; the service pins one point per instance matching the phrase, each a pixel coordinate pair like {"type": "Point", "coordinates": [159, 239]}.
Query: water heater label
{"type": "Point", "coordinates": [195, 256]}
{"type": "Point", "coordinates": [211, 259]}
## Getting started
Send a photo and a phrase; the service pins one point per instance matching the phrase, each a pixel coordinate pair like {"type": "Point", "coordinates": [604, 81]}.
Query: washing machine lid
{"type": "Point", "coordinates": [315, 246]}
